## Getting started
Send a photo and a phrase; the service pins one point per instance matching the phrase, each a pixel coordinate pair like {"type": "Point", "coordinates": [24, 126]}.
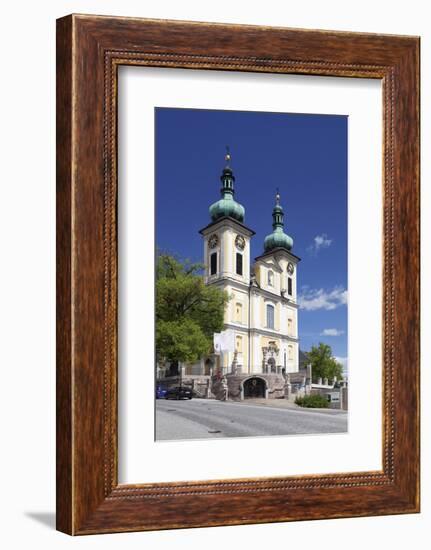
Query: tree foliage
{"type": "Point", "coordinates": [187, 311]}
{"type": "Point", "coordinates": [180, 340]}
{"type": "Point", "coordinates": [323, 364]}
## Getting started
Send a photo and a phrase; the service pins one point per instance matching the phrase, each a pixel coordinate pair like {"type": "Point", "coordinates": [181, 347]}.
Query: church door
{"type": "Point", "coordinates": [254, 387]}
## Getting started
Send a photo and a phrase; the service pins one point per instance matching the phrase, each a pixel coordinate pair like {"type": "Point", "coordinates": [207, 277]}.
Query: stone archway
{"type": "Point", "coordinates": [254, 387]}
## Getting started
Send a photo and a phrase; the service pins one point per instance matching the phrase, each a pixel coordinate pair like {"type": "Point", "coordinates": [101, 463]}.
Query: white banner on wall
{"type": "Point", "coordinates": [224, 341]}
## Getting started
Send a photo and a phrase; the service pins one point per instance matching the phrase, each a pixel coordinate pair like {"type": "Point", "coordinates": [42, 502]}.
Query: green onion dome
{"type": "Point", "coordinates": [278, 238]}
{"type": "Point", "coordinates": [227, 205]}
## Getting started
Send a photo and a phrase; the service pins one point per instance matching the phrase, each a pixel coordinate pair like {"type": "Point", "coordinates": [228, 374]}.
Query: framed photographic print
{"type": "Point", "coordinates": [237, 274]}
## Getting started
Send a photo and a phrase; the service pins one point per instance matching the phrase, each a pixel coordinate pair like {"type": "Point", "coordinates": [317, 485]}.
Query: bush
{"type": "Point", "coordinates": [312, 401]}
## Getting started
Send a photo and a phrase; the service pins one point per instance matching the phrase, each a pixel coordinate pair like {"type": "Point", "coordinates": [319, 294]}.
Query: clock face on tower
{"type": "Point", "coordinates": [240, 242]}
{"type": "Point", "coordinates": [290, 268]}
{"type": "Point", "coordinates": [213, 241]}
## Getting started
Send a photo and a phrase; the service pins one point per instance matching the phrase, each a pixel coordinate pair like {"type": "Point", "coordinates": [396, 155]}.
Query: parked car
{"type": "Point", "coordinates": [160, 392]}
{"type": "Point", "coordinates": [179, 392]}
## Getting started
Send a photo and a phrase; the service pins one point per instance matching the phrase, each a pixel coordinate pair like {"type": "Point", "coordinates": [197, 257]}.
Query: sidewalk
{"type": "Point", "coordinates": [285, 404]}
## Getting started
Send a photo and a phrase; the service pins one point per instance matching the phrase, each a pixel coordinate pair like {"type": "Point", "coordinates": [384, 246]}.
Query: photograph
{"type": "Point", "coordinates": [251, 273]}
{"type": "Point", "coordinates": [211, 271]}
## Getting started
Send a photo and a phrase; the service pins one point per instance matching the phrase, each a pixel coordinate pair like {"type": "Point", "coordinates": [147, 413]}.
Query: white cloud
{"type": "Point", "coordinates": [331, 332]}
{"type": "Point", "coordinates": [320, 241]}
{"type": "Point", "coordinates": [318, 298]}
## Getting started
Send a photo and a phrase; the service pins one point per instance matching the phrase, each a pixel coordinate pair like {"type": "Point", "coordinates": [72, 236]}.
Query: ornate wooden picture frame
{"type": "Point", "coordinates": [89, 51]}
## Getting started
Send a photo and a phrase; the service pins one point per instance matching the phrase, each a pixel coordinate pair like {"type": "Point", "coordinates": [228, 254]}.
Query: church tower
{"type": "Point", "coordinates": [275, 329]}
{"type": "Point", "coordinates": [226, 257]}
{"type": "Point", "coordinates": [226, 238]}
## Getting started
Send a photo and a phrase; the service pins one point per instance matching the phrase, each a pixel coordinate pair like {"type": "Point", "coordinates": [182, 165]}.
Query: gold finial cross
{"type": "Point", "coordinates": [227, 156]}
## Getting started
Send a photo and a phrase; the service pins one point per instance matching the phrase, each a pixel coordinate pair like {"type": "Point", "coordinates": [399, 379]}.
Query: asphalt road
{"type": "Point", "coordinates": [202, 418]}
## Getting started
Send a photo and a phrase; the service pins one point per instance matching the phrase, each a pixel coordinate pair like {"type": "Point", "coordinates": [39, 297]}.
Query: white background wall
{"type": "Point", "coordinates": [27, 244]}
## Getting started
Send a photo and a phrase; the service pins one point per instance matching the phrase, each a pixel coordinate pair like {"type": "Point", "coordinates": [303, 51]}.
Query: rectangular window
{"type": "Point", "coordinates": [238, 263]}
{"type": "Point", "coordinates": [213, 261]}
{"type": "Point", "coordinates": [289, 286]}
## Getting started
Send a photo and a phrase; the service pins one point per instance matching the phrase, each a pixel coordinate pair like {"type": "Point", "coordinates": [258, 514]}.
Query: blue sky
{"type": "Point", "coordinates": [305, 156]}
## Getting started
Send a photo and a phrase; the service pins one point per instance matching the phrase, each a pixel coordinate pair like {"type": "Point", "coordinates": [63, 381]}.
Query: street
{"type": "Point", "coordinates": [203, 419]}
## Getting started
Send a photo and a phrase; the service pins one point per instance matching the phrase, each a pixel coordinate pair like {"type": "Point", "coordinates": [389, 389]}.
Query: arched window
{"type": "Point", "coordinates": [239, 344]}
{"type": "Point", "coordinates": [290, 352]}
{"type": "Point", "coordinates": [213, 263]}
{"type": "Point", "coordinates": [290, 327]}
{"type": "Point", "coordinates": [269, 316]}
{"type": "Point", "coordinates": [289, 286]}
{"type": "Point", "coordinates": [270, 278]}
{"type": "Point", "coordinates": [238, 312]}
{"type": "Point", "coordinates": [238, 263]}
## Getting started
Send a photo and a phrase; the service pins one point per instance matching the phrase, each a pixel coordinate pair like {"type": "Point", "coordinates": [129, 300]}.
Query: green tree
{"type": "Point", "coordinates": [188, 312]}
{"type": "Point", "coordinates": [323, 364]}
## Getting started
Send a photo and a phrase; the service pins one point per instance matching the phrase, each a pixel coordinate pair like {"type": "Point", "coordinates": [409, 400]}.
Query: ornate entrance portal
{"type": "Point", "coordinates": [254, 387]}
{"type": "Point", "coordinates": [269, 355]}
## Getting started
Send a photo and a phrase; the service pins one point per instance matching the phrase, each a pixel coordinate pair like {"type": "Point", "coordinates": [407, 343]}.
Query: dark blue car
{"type": "Point", "coordinates": [179, 392]}
{"type": "Point", "coordinates": [160, 392]}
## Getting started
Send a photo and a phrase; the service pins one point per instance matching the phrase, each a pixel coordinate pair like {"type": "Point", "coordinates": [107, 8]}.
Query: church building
{"type": "Point", "coordinates": [261, 318]}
